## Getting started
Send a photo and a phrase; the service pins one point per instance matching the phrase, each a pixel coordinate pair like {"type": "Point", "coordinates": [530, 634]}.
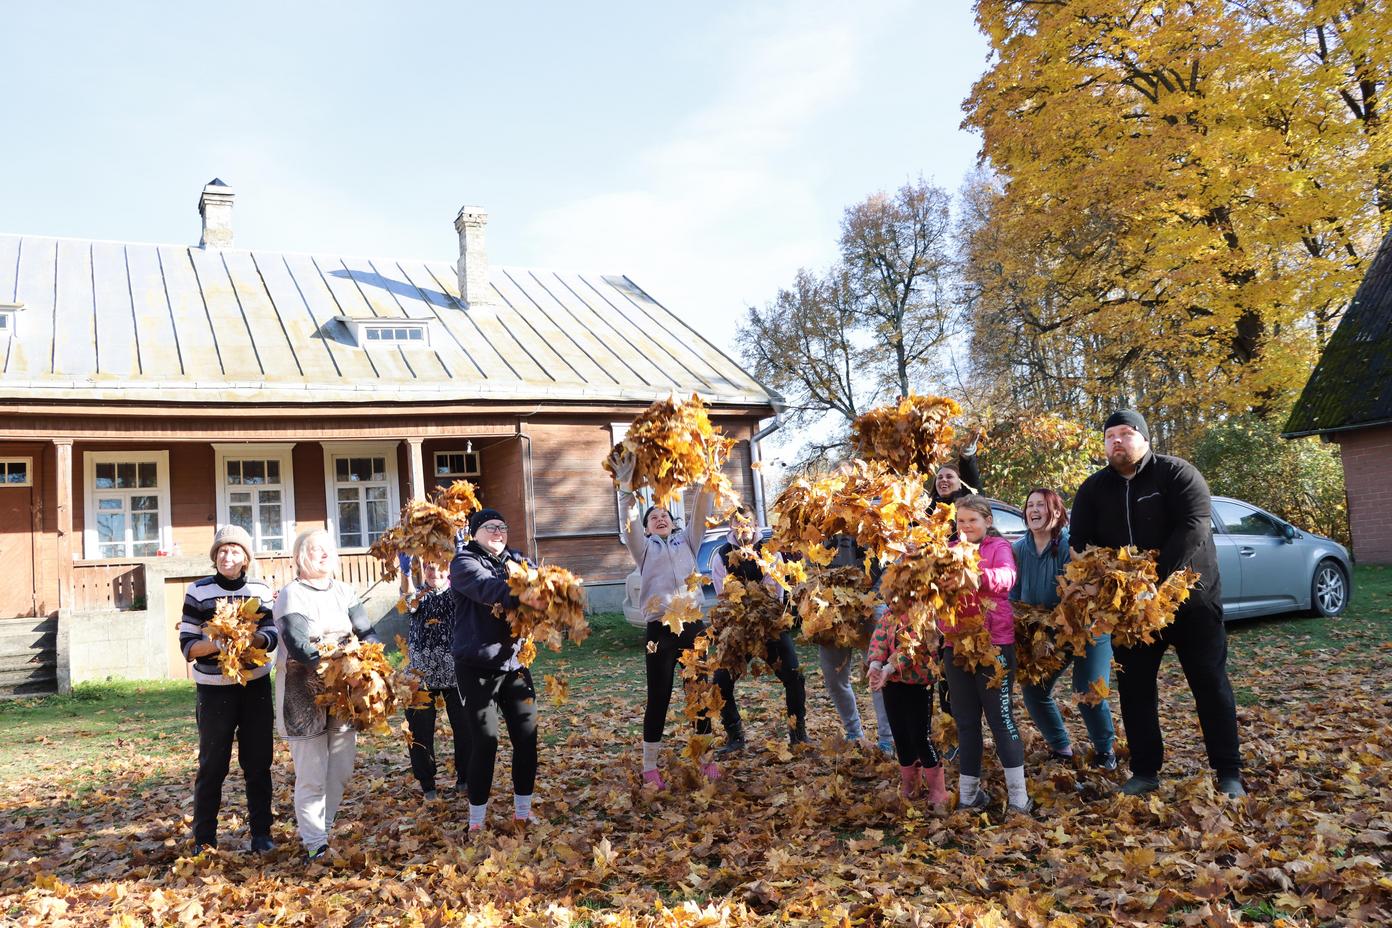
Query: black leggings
{"type": "Point", "coordinates": [971, 698]}
{"type": "Point", "coordinates": [782, 657]}
{"type": "Point", "coordinates": [661, 664]}
{"type": "Point", "coordinates": [910, 710]}
{"type": "Point", "coordinates": [484, 693]}
{"type": "Point", "coordinates": [422, 725]}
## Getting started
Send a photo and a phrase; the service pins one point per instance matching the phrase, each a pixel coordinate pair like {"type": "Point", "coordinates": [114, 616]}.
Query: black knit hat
{"type": "Point", "coordinates": [482, 516]}
{"type": "Point", "coordinates": [1129, 417]}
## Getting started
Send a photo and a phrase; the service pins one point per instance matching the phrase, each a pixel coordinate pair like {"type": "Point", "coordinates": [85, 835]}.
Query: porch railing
{"type": "Point", "coordinates": [108, 585]}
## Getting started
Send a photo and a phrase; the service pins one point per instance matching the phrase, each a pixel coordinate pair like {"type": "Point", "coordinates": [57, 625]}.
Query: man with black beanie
{"type": "Point", "coordinates": [1158, 502]}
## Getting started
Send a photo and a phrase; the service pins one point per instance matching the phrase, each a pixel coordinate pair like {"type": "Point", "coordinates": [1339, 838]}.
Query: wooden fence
{"type": "Point", "coordinates": [108, 585]}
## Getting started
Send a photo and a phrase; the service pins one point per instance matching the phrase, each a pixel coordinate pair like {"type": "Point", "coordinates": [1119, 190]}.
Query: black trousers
{"type": "Point", "coordinates": [422, 724]}
{"type": "Point", "coordinates": [782, 657]}
{"type": "Point", "coordinates": [663, 651]}
{"type": "Point", "coordinates": [1201, 644]}
{"type": "Point", "coordinates": [910, 710]}
{"type": "Point", "coordinates": [225, 713]}
{"type": "Point", "coordinates": [486, 693]}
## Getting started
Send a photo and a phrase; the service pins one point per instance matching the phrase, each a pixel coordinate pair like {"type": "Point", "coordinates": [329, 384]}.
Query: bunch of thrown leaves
{"type": "Point", "coordinates": [745, 618]}
{"type": "Point", "coordinates": [360, 686]}
{"type": "Point", "coordinates": [1038, 655]}
{"type": "Point", "coordinates": [233, 629]}
{"type": "Point", "coordinates": [836, 607]}
{"type": "Point", "coordinates": [911, 435]}
{"type": "Point", "coordinates": [551, 608]}
{"type": "Point", "coordinates": [880, 510]}
{"type": "Point", "coordinates": [427, 528]}
{"type": "Point", "coordinates": [1113, 591]}
{"type": "Point", "coordinates": [674, 446]}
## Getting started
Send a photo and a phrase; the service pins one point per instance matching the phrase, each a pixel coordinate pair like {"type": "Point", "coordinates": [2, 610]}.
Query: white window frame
{"type": "Point", "coordinates": [645, 495]}
{"type": "Point", "coordinates": [334, 450]}
{"type": "Point", "coordinates": [280, 452]}
{"type": "Point", "coordinates": [90, 459]}
{"type": "Point", "coordinates": [435, 461]}
{"type": "Point", "coordinates": [28, 472]}
{"type": "Point", "coordinates": [380, 331]}
{"type": "Point", "coordinates": [9, 316]}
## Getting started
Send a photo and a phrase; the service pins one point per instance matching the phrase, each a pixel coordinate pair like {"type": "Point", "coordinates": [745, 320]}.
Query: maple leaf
{"type": "Point", "coordinates": [550, 608]}
{"type": "Point", "coordinates": [557, 687]}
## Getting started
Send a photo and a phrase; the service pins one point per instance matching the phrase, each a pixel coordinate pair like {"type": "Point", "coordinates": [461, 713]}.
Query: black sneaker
{"type": "Point", "coordinates": [1139, 785]}
{"type": "Point", "coordinates": [261, 844]}
{"type": "Point", "coordinates": [1105, 761]}
{"type": "Point", "coordinates": [1061, 757]}
{"type": "Point", "coordinates": [734, 743]}
{"type": "Point", "coordinates": [980, 803]}
{"type": "Point", "coordinates": [200, 846]}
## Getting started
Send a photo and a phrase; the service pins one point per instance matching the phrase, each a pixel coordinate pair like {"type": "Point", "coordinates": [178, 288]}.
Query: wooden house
{"type": "Point", "coordinates": [149, 393]}
{"type": "Point", "coordinates": [1348, 399]}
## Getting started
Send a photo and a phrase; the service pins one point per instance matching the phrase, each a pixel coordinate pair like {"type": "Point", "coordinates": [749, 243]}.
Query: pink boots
{"type": "Point", "coordinates": [932, 780]}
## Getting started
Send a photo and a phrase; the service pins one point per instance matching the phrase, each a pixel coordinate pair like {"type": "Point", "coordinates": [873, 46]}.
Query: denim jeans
{"type": "Point", "coordinates": [838, 667]}
{"type": "Point", "coordinates": [1095, 664]}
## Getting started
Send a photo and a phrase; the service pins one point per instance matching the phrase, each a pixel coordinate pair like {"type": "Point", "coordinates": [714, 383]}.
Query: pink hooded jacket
{"type": "Point", "coordinates": [997, 578]}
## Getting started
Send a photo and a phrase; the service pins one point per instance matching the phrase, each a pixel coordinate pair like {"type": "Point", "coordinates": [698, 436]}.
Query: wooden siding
{"type": "Point", "coordinates": [108, 585]}
{"type": "Point", "coordinates": [573, 495]}
{"type": "Point", "coordinates": [602, 559]}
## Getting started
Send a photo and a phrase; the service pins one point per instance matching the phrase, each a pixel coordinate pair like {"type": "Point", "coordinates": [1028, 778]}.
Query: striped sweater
{"type": "Point", "coordinates": [199, 605]}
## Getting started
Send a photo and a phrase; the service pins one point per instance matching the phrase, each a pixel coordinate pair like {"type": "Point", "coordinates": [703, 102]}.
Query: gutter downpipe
{"type": "Point", "coordinates": [756, 455]}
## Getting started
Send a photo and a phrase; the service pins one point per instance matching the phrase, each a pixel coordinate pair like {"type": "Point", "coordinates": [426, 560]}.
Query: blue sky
{"type": "Point", "coordinates": [707, 153]}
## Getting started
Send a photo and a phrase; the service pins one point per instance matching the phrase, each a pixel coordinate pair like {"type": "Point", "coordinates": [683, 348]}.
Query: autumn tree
{"type": "Point", "coordinates": [872, 327]}
{"type": "Point", "coordinates": [1186, 194]}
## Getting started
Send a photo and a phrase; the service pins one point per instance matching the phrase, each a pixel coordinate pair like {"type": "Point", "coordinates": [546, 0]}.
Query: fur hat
{"type": "Point", "coordinates": [230, 535]}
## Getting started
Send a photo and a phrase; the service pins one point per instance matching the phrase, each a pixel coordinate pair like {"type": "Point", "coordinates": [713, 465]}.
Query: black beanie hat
{"type": "Point", "coordinates": [482, 516]}
{"type": "Point", "coordinates": [1129, 417]}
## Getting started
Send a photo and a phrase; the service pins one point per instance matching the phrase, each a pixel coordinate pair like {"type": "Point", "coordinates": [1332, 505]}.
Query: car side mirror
{"type": "Point", "coordinates": [1289, 531]}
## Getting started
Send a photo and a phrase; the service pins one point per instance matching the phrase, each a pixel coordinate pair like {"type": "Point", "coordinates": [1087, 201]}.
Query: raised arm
{"type": "Point", "coordinates": [696, 523]}
{"type": "Point", "coordinates": [630, 513]}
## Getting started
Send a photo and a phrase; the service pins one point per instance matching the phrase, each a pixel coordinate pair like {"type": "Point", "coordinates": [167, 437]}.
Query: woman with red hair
{"type": "Point", "coordinates": [1040, 557]}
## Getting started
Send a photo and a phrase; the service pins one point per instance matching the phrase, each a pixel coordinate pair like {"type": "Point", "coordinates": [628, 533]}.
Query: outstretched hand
{"type": "Point", "coordinates": [625, 462]}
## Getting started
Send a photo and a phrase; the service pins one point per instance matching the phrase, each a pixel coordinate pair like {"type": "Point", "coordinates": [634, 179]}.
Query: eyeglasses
{"type": "Point", "coordinates": [497, 528]}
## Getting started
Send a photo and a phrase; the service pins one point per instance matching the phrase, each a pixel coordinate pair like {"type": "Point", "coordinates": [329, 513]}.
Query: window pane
{"type": "Point", "coordinates": [400, 335]}
{"type": "Point", "coordinates": [270, 519]}
{"type": "Point", "coordinates": [234, 473]}
{"type": "Point", "coordinates": [359, 468]}
{"type": "Point", "coordinates": [18, 472]}
{"type": "Point", "coordinates": [253, 472]}
{"type": "Point", "coordinates": [273, 472]}
{"type": "Point", "coordinates": [350, 518]}
{"type": "Point", "coordinates": [112, 550]}
{"type": "Point", "coordinates": [347, 495]}
{"type": "Point", "coordinates": [145, 526]}
{"type": "Point", "coordinates": [110, 505]}
{"type": "Point", "coordinates": [125, 476]}
{"type": "Point", "coordinates": [145, 549]}
{"type": "Point", "coordinates": [377, 518]}
{"type": "Point", "coordinates": [271, 543]}
{"type": "Point", "coordinates": [379, 468]}
{"type": "Point", "coordinates": [376, 494]}
{"type": "Point", "coordinates": [340, 470]}
{"type": "Point", "coordinates": [442, 464]}
{"type": "Point", "coordinates": [149, 474]}
{"type": "Point", "coordinates": [111, 527]}
{"type": "Point", "coordinates": [106, 476]}
{"type": "Point", "coordinates": [268, 496]}
{"type": "Point", "coordinates": [144, 503]}
{"type": "Point", "coordinates": [241, 515]}
{"type": "Point", "coordinates": [374, 335]}
{"type": "Point", "coordinates": [239, 497]}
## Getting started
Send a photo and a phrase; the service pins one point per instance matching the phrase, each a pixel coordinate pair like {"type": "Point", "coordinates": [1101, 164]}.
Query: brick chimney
{"type": "Point", "coordinates": [215, 206]}
{"type": "Point", "coordinates": [473, 258]}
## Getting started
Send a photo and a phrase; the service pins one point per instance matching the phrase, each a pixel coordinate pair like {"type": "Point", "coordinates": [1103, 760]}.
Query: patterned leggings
{"type": "Point", "coordinates": [971, 698]}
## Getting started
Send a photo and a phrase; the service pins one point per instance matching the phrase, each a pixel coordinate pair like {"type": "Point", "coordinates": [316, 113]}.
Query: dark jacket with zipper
{"type": "Point", "coordinates": [478, 582]}
{"type": "Point", "coordinates": [1165, 506]}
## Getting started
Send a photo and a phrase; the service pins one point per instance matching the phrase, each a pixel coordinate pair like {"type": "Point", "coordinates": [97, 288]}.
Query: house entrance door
{"type": "Point", "coordinates": [17, 551]}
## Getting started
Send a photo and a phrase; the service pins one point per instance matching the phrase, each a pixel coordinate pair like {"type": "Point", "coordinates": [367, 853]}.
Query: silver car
{"type": "Point", "coordinates": [1270, 566]}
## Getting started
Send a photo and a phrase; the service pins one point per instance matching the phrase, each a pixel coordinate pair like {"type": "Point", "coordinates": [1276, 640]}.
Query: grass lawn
{"type": "Point", "coordinates": [94, 814]}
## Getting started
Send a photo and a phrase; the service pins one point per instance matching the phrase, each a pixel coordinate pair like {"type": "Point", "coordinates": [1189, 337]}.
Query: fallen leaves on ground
{"type": "Point", "coordinates": [818, 839]}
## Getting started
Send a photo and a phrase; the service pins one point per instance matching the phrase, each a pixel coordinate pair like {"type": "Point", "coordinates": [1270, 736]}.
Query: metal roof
{"type": "Point", "coordinates": [172, 323]}
{"type": "Point", "coordinates": [1351, 386]}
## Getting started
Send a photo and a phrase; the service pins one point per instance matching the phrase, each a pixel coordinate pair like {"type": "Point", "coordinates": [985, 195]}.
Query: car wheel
{"type": "Point", "coordinates": [1328, 590]}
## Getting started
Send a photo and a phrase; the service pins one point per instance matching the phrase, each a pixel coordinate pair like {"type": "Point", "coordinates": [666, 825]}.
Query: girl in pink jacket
{"type": "Point", "coordinates": [972, 696]}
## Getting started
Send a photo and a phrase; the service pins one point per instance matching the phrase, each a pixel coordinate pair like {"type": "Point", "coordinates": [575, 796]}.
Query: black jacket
{"type": "Point", "coordinates": [970, 472]}
{"type": "Point", "coordinates": [1165, 507]}
{"type": "Point", "coordinates": [478, 582]}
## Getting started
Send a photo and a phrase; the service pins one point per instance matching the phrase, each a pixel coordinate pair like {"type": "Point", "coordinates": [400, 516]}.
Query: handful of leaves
{"type": "Point", "coordinates": [932, 582]}
{"type": "Point", "coordinates": [745, 617]}
{"type": "Point", "coordinates": [360, 686]}
{"type": "Point", "coordinates": [836, 606]}
{"type": "Point", "coordinates": [233, 629]}
{"type": "Point", "coordinates": [427, 528]}
{"type": "Point", "coordinates": [881, 510]}
{"type": "Point", "coordinates": [1114, 591]}
{"type": "Point", "coordinates": [675, 445]}
{"type": "Point", "coordinates": [1038, 654]}
{"type": "Point", "coordinates": [913, 434]}
{"type": "Point", "coordinates": [552, 608]}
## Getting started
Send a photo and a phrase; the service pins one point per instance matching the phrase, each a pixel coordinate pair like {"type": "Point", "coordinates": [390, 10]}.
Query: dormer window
{"type": "Point", "coordinates": [9, 317]}
{"type": "Point", "coordinates": [376, 331]}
